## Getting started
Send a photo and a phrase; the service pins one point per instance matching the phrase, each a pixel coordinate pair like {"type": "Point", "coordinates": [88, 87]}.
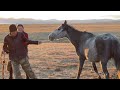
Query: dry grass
{"type": "Point", "coordinates": [59, 60]}
{"type": "Point", "coordinates": [50, 27]}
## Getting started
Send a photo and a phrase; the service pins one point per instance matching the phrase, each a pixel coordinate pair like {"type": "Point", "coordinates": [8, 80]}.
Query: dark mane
{"type": "Point", "coordinates": [74, 29]}
{"type": "Point", "coordinates": [78, 33]}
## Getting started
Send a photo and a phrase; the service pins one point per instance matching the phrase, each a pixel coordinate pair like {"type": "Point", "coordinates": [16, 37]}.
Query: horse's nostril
{"type": "Point", "coordinates": [51, 38]}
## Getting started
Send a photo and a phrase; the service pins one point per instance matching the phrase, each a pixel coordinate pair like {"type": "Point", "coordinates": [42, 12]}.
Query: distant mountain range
{"type": "Point", "coordinates": [53, 21]}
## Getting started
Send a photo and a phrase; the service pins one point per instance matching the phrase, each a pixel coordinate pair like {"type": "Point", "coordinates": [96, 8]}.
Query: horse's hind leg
{"type": "Point", "coordinates": [27, 77]}
{"type": "Point", "coordinates": [95, 69]}
{"type": "Point", "coordinates": [106, 57]}
{"type": "Point", "coordinates": [104, 67]}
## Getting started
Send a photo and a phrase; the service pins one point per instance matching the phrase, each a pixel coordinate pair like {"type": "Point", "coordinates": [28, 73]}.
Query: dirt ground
{"type": "Point", "coordinates": [59, 61]}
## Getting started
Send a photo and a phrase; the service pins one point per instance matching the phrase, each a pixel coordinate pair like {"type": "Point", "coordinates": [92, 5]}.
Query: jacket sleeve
{"type": "Point", "coordinates": [26, 35]}
{"type": "Point", "coordinates": [28, 41]}
{"type": "Point", "coordinates": [5, 45]}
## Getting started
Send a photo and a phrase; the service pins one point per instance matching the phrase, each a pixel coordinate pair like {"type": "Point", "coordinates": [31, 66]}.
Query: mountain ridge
{"type": "Point", "coordinates": [53, 21]}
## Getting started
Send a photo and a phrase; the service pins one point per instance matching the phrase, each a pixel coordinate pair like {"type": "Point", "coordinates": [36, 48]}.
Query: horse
{"type": "Point", "coordinates": [101, 48]}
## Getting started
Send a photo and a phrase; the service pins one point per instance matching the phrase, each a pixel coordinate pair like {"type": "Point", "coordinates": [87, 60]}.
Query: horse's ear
{"type": "Point", "coordinates": [65, 22]}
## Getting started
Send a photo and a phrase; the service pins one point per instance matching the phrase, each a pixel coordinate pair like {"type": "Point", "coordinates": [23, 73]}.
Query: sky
{"type": "Point", "coordinates": [61, 15]}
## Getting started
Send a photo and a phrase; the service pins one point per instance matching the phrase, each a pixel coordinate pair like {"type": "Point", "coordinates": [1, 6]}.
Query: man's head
{"type": "Point", "coordinates": [20, 28]}
{"type": "Point", "coordinates": [13, 30]}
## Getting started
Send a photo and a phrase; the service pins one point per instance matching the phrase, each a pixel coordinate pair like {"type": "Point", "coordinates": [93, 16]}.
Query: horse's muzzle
{"type": "Point", "coordinates": [51, 38]}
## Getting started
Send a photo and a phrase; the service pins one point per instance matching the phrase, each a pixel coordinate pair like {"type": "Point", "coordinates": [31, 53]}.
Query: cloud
{"type": "Point", "coordinates": [112, 16]}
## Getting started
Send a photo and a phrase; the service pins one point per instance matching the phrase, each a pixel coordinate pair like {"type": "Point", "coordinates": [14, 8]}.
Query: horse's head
{"type": "Point", "coordinates": [59, 33]}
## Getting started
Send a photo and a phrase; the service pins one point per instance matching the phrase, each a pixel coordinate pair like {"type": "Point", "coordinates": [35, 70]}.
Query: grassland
{"type": "Point", "coordinates": [59, 60]}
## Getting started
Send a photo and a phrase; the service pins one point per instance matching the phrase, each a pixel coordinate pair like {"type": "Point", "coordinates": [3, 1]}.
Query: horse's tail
{"type": "Point", "coordinates": [116, 55]}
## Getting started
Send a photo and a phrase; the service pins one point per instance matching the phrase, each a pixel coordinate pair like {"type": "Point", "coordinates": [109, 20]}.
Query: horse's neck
{"type": "Point", "coordinates": [74, 38]}
{"type": "Point", "coordinates": [80, 38]}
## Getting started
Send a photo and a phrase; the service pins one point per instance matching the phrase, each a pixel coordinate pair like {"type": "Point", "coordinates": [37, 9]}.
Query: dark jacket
{"type": "Point", "coordinates": [26, 35]}
{"type": "Point", "coordinates": [25, 43]}
{"type": "Point", "coordinates": [15, 47]}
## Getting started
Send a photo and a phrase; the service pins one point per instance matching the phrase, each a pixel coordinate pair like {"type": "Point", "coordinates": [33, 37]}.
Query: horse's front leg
{"type": "Point", "coordinates": [81, 63]}
{"type": "Point", "coordinates": [82, 58]}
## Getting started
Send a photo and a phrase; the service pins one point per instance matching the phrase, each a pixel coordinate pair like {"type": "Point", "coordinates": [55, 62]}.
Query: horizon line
{"type": "Point", "coordinates": [64, 19]}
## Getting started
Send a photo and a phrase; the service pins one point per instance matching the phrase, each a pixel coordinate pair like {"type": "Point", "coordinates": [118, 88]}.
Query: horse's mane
{"type": "Point", "coordinates": [73, 28]}
{"type": "Point", "coordinates": [78, 31]}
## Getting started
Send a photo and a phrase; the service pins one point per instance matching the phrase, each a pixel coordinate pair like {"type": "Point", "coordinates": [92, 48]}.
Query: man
{"type": "Point", "coordinates": [13, 44]}
{"type": "Point", "coordinates": [20, 28]}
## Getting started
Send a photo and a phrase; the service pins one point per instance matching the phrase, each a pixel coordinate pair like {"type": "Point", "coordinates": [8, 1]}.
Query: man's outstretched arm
{"type": "Point", "coordinates": [30, 41]}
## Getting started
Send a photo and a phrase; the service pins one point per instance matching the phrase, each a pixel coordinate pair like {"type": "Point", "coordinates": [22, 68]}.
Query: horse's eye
{"type": "Point", "coordinates": [63, 30]}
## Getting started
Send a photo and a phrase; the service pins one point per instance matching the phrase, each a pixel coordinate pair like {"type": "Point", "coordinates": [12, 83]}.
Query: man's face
{"type": "Point", "coordinates": [20, 29]}
{"type": "Point", "coordinates": [13, 34]}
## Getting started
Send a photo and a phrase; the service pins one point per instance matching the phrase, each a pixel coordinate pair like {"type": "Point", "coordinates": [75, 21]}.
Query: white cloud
{"type": "Point", "coordinates": [60, 15]}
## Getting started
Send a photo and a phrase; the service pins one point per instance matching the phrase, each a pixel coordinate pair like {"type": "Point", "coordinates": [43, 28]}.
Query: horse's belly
{"type": "Point", "coordinates": [92, 55]}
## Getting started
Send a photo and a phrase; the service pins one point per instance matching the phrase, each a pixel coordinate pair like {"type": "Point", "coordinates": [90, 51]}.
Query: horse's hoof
{"type": "Point", "coordinates": [99, 77]}
{"type": "Point", "coordinates": [10, 77]}
{"type": "Point", "coordinates": [78, 77]}
{"type": "Point", "coordinates": [27, 78]}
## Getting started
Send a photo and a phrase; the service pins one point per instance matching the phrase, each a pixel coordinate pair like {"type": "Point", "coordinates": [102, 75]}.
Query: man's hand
{"type": "Point", "coordinates": [3, 52]}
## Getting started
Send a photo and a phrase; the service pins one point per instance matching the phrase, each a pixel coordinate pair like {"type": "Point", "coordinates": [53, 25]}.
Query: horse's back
{"type": "Point", "coordinates": [100, 45]}
{"type": "Point", "coordinates": [106, 36]}
{"type": "Point", "coordinates": [104, 44]}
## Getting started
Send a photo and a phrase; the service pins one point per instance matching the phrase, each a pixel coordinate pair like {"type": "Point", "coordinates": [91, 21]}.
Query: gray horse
{"type": "Point", "coordinates": [101, 48]}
